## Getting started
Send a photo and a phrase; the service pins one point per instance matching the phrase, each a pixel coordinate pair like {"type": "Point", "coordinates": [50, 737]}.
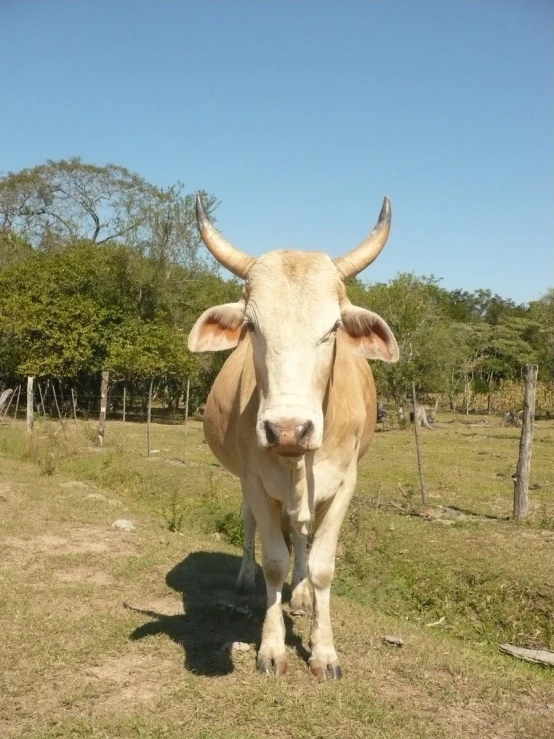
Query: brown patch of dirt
{"type": "Point", "coordinates": [47, 544]}
{"type": "Point", "coordinates": [6, 491]}
{"type": "Point", "coordinates": [76, 485]}
{"type": "Point", "coordinates": [83, 540]}
{"type": "Point", "coordinates": [83, 575]}
{"type": "Point", "coordinates": [130, 679]}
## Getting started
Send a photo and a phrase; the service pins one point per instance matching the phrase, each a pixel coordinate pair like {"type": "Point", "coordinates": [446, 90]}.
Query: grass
{"type": "Point", "coordinates": [108, 634]}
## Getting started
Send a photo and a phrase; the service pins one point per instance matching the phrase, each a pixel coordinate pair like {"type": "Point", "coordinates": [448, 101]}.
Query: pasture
{"type": "Point", "coordinates": [110, 634]}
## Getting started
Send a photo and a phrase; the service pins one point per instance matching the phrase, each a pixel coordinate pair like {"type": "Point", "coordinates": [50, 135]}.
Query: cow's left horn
{"type": "Point", "coordinates": [364, 254]}
{"type": "Point", "coordinates": [226, 254]}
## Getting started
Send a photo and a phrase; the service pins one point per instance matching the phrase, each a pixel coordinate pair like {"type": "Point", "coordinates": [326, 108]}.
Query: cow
{"type": "Point", "coordinates": [291, 412]}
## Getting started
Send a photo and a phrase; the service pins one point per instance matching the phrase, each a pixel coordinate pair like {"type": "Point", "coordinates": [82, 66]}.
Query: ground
{"type": "Point", "coordinates": [113, 634]}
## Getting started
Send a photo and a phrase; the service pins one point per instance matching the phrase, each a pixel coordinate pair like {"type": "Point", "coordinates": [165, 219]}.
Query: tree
{"type": "Point", "coordinates": [58, 203]}
{"type": "Point", "coordinates": [541, 335]}
{"type": "Point", "coordinates": [410, 306]}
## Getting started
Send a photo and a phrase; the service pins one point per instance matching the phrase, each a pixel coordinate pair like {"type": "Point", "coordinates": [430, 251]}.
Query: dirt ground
{"type": "Point", "coordinates": [109, 633]}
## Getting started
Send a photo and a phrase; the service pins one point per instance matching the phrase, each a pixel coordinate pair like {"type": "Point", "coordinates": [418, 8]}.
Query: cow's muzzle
{"type": "Point", "coordinates": [291, 436]}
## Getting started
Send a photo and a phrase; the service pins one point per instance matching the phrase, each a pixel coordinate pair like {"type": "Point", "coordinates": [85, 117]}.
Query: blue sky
{"type": "Point", "coordinates": [300, 116]}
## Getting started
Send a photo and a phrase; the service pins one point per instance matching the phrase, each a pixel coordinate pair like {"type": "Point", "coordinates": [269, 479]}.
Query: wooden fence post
{"type": "Point", "coordinates": [103, 407]}
{"type": "Point", "coordinates": [17, 402]}
{"type": "Point", "coordinates": [186, 417]}
{"type": "Point", "coordinates": [59, 412]}
{"type": "Point", "coordinates": [41, 399]}
{"type": "Point", "coordinates": [8, 405]}
{"type": "Point", "coordinates": [419, 460]}
{"type": "Point", "coordinates": [521, 477]}
{"type": "Point", "coordinates": [74, 401]}
{"type": "Point", "coordinates": [148, 416]}
{"type": "Point", "coordinates": [30, 412]}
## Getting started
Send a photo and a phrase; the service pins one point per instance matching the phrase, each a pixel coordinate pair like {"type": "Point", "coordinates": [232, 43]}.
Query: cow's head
{"type": "Point", "coordinates": [293, 306]}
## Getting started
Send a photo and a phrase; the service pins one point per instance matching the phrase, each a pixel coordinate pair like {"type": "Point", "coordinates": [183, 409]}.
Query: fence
{"type": "Point", "coordinates": [50, 401]}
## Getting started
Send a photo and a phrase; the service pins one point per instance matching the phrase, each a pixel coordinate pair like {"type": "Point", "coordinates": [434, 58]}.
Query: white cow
{"type": "Point", "coordinates": [291, 412]}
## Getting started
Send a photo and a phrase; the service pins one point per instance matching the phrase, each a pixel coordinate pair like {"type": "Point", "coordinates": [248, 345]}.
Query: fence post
{"type": "Point", "coordinates": [419, 460]}
{"type": "Point", "coordinates": [103, 407]}
{"type": "Point", "coordinates": [59, 413]}
{"type": "Point", "coordinates": [17, 402]}
{"type": "Point", "coordinates": [521, 477]}
{"type": "Point", "coordinates": [74, 401]}
{"type": "Point", "coordinates": [41, 399]}
{"type": "Point", "coordinates": [186, 417]}
{"type": "Point", "coordinates": [8, 405]}
{"type": "Point", "coordinates": [30, 413]}
{"type": "Point", "coordinates": [124, 401]}
{"type": "Point", "coordinates": [148, 415]}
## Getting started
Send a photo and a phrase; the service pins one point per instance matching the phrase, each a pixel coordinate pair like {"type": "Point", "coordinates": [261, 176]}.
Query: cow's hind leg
{"type": "Point", "coordinates": [324, 662]}
{"type": "Point", "coordinates": [275, 560]}
{"type": "Point", "coordinates": [246, 581]}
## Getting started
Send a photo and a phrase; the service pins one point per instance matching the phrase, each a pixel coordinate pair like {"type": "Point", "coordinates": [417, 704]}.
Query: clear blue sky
{"type": "Point", "coordinates": [300, 116]}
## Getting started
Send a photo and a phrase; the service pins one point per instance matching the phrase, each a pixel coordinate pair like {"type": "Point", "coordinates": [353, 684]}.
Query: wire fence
{"type": "Point", "coordinates": [50, 401]}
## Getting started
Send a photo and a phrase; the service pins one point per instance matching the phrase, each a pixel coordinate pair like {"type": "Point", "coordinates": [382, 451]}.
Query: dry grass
{"type": "Point", "coordinates": [77, 662]}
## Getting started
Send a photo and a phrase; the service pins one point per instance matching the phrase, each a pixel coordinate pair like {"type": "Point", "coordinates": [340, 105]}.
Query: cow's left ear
{"type": "Point", "coordinates": [217, 328]}
{"type": "Point", "coordinates": [368, 334]}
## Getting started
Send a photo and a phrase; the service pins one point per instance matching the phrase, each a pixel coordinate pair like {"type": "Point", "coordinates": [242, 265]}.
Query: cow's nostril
{"type": "Point", "coordinates": [303, 431]}
{"type": "Point", "coordinates": [271, 433]}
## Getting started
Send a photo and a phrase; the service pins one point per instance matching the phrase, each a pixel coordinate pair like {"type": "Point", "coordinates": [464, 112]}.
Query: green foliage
{"type": "Point", "coordinates": [99, 269]}
{"type": "Point", "coordinates": [231, 525]}
{"type": "Point", "coordinates": [57, 203]}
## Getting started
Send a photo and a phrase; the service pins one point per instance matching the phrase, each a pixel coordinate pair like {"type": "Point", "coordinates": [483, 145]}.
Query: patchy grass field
{"type": "Point", "coordinates": [109, 634]}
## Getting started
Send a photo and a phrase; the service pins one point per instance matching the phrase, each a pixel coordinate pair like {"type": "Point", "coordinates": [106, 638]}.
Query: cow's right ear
{"type": "Point", "coordinates": [217, 328]}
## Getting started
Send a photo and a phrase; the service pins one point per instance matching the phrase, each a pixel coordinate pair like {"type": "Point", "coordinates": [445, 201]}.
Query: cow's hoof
{"type": "Point", "coordinates": [301, 603]}
{"type": "Point", "coordinates": [271, 666]}
{"type": "Point", "coordinates": [325, 672]}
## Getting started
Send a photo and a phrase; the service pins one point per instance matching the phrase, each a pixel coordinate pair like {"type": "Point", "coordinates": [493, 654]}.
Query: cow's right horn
{"type": "Point", "coordinates": [226, 254]}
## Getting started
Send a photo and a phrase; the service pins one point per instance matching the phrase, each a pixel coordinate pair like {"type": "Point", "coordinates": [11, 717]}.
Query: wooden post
{"type": "Point", "coordinates": [17, 402]}
{"type": "Point", "coordinates": [521, 477]}
{"type": "Point", "coordinates": [419, 460]}
{"type": "Point", "coordinates": [103, 407]}
{"type": "Point", "coordinates": [58, 409]}
{"type": "Point", "coordinates": [74, 401]}
{"type": "Point", "coordinates": [187, 416]}
{"type": "Point", "coordinates": [30, 412]}
{"type": "Point", "coordinates": [8, 405]}
{"type": "Point", "coordinates": [124, 401]}
{"type": "Point", "coordinates": [148, 415]}
{"type": "Point", "coordinates": [41, 399]}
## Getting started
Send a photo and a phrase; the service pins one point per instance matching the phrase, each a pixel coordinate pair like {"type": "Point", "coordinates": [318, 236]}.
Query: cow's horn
{"type": "Point", "coordinates": [226, 254]}
{"type": "Point", "coordinates": [364, 254]}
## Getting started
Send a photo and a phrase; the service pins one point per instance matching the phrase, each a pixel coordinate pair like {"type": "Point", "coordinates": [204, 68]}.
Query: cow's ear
{"type": "Point", "coordinates": [217, 328]}
{"type": "Point", "coordinates": [368, 334]}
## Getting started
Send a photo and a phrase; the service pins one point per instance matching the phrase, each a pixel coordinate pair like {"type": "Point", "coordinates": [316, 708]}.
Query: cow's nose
{"type": "Point", "coordinates": [303, 431]}
{"type": "Point", "coordinates": [288, 433]}
{"type": "Point", "coordinates": [272, 433]}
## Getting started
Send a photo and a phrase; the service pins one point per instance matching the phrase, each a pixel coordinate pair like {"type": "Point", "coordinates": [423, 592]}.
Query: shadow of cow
{"type": "Point", "coordinates": [214, 615]}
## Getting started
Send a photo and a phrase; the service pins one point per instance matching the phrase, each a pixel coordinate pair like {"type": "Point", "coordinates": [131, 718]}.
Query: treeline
{"type": "Point", "coordinates": [100, 270]}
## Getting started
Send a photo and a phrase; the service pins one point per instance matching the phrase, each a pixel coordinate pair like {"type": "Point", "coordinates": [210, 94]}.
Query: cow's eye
{"type": "Point", "coordinates": [249, 325]}
{"type": "Point", "coordinates": [329, 335]}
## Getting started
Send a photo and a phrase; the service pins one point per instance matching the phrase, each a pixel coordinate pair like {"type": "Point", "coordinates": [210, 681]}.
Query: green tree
{"type": "Point", "coordinates": [59, 203]}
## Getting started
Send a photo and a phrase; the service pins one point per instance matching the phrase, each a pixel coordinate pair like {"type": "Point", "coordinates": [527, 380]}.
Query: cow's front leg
{"type": "Point", "coordinates": [246, 581]}
{"type": "Point", "coordinates": [275, 561]}
{"type": "Point", "coordinates": [324, 662]}
{"type": "Point", "coordinates": [301, 600]}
